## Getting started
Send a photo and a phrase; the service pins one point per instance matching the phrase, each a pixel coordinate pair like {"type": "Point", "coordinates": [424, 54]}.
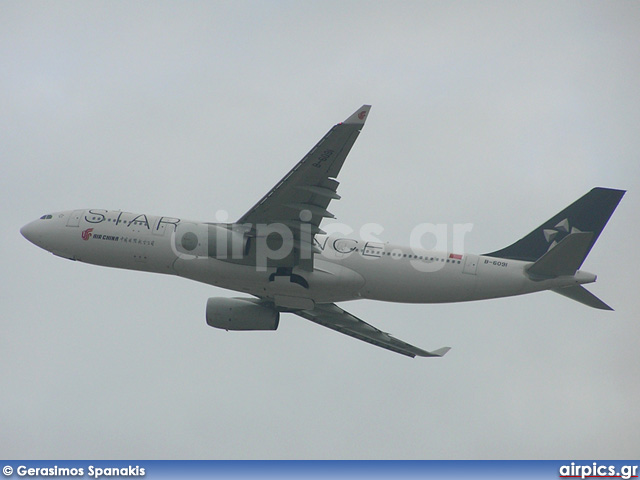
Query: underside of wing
{"type": "Point", "coordinates": [332, 316]}
{"type": "Point", "coordinates": [299, 202]}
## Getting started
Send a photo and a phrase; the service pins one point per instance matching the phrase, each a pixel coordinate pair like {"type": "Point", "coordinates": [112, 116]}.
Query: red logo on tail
{"type": "Point", "coordinates": [86, 234]}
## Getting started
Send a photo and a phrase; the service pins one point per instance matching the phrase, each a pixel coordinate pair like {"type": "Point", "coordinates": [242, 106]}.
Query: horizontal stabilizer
{"type": "Point", "coordinates": [582, 295]}
{"type": "Point", "coordinates": [565, 258]}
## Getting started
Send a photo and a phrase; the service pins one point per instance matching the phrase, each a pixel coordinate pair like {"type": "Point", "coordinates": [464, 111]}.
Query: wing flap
{"type": "Point", "coordinates": [335, 318]}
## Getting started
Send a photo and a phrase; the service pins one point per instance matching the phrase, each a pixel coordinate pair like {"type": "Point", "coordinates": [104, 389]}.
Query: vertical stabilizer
{"type": "Point", "coordinates": [588, 214]}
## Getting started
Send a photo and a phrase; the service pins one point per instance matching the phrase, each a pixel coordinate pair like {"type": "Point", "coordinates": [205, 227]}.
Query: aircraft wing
{"type": "Point", "coordinates": [300, 200]}
{"type": "Point", "coordinates": [332, 316]}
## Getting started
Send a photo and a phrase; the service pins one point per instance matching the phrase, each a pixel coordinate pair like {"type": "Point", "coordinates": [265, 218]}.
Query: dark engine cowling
{"type": "Point", "coordinates": [241, 314]}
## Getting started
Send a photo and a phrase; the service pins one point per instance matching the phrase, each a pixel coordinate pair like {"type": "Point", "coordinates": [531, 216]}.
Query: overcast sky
{"type": "Point", "coordinates": [498, 114]}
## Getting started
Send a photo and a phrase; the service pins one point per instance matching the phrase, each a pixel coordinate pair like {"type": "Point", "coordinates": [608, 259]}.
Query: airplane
{"type": "Point", "coordinates": [277, 253]}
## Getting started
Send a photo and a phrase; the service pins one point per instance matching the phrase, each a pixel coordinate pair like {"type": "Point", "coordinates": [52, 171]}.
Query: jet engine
{"type": "Point", "coordinates": [241, 314]}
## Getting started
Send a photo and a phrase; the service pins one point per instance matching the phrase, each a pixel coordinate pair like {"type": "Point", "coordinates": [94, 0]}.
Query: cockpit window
{"type": "Point", "coordinates": [46, 217]}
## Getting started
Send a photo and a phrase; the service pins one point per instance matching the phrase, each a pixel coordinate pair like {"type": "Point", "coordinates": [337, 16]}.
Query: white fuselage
{"type": "Point", "coordinates": [345, 268]}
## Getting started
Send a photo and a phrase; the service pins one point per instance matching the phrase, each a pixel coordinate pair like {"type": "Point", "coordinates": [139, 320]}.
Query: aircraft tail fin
{"type": "Point", "coordinates": [582, 295]}
{"type": "Point", "coordinates": [588, 214]}
{"type": "Point", "coordinates": [565, 258]}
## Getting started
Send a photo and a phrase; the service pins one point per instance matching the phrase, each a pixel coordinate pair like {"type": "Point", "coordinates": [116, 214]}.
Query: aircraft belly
{"type": "Point", "coordinates": [410, 281]}
{"type": "Point", "coordinates": [330, 282]}
{"type": "Point", "coordinates": [327, 283]}
{"type": "Point", "coordinates": [414, 282]}
{"type": "Point", "coordinates": [219, 273]}
{"type": "Point", "coordinates": [500, 278]}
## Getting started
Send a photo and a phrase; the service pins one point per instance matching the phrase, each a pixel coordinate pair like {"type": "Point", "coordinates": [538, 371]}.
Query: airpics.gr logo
{"type": "Point", "coordinates": [86, 234]}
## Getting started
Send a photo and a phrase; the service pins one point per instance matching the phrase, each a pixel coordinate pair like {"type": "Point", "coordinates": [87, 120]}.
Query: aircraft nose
{"type": "Point", "coordinates": [32, 232]}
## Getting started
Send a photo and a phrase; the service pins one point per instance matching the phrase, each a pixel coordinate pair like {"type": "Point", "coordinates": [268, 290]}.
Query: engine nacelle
{"type": "Point", "coordinates": [241, 314]}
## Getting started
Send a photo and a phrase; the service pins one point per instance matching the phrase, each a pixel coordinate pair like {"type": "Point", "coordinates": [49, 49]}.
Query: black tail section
{"type": "Point", "coordinates": [587, 214]}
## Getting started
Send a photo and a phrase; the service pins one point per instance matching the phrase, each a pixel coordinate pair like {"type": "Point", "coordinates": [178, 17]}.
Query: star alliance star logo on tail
{"type": "Point", "coordinates": [561, 230]}
{"type": "Point", "coordinates": [86, 234]}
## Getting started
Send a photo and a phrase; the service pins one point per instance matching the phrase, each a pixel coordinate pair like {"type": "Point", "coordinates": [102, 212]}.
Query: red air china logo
{"type": "Point", "coordinates": [86, 234]}
{"type": "Point", "coordinates": [362, 114]}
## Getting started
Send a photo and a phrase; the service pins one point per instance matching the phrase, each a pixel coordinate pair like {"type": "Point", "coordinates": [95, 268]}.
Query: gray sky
{"type": "Point", "coordinates": [498, 114]}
